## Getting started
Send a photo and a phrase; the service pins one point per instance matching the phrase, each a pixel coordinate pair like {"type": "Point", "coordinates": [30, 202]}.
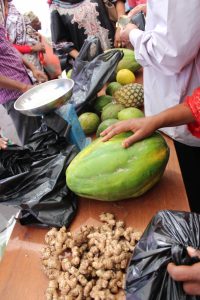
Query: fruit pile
{"type": "Point", "coordinates": [105, 170]}
{"type": "Point", "coordinates": [123, 99]}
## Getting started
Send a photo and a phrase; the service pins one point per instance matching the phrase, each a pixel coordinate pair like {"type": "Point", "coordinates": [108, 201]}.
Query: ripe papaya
{"type": "Point", "coordinates": [107, 171]}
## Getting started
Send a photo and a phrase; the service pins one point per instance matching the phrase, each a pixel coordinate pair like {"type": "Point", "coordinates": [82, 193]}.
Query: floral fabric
{"type": "Point", "coordinates": [71, 24]}
{"type": "Point", "coordinates": [20, 32]}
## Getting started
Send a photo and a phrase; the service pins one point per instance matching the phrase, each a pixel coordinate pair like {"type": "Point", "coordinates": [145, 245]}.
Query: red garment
{"type": "Point", "coordinates": [133, 3]}
{"type": "Point", "coordinates": [193, 102]}
{"type": "Point", "coordinates": [24, 49]}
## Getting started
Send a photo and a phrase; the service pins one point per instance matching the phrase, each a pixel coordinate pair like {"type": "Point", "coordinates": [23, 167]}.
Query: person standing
{"type": "Point", "coordinates": [14, 81]}
{"type": "Point", "coordinates": [17, 28]}
{"type": "Point", "coordinates": [169, 51]}
{"type": "Point", "coordinates": [73, 21]}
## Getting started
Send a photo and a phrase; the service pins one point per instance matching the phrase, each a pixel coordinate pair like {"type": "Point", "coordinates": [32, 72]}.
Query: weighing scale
{"type": "Point", "coordinates": [53, 96]}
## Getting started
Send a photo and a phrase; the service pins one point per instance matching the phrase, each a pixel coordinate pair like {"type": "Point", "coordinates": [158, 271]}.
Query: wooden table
{"type": "Point", "coordinates": [21, 277]}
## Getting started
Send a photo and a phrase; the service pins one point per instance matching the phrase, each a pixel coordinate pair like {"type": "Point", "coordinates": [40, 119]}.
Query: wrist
{"type": "Point", "coordinates": [32, 67]}
{"type": "Point", "coordinates": [23, 88]}
{"type": "Point", "coordinates": [156, 122]}
{"type": "Point", "coordinates": [163, 120]}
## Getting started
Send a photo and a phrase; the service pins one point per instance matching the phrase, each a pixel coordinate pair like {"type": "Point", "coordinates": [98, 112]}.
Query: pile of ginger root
{"type": "Point", "coordinates": [90, 264]}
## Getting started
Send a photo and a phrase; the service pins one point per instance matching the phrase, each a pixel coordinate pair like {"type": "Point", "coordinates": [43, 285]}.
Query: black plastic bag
{"type": "Point", "coordinates": [90, 49]}
{"type": "Point", "coordinates": [164, 240]}
{"type": "Point", "coordinates": [91, 71]}
{"type": "Point", "coordinates": [33, 178]}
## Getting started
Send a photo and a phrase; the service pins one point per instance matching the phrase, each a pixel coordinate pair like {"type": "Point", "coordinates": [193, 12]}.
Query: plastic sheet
{"type": "Point", "coordinates": [165, 240]}
{"type": "Point", "coordinates": [33, 178]}
{"type": "Point", "coordinates": [92, 69]}
{"type": "Point", "coordinates": [90, 49]}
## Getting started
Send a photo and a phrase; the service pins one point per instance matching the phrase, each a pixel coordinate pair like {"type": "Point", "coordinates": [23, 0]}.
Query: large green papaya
{"type": "Point", "coordinates": [107, 171]}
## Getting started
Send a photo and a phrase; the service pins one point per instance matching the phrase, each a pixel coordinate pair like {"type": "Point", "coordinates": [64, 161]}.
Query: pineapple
{"type": "Point", "coordinates": [130, 95]}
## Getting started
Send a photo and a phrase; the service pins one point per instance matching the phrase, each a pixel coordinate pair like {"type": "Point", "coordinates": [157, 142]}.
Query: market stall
{"type": "Point", "coordinates": [21, 275]}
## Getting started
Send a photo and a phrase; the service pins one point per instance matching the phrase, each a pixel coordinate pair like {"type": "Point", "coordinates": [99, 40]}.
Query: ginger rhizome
{"type": "Point", "coordinates": [90, 264]}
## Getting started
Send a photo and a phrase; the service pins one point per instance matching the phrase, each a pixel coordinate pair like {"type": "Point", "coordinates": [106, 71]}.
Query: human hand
{"type": "Point", "coordinates": [189, 275]}
{"type": "Point", "coordinates": [25, 87]}
{"type": "Point", "coordinates": [38, 47]}
{"type": "Point", "coordinates": [141, 128]}
{"type": "Point", "coordinates": [117, 40]}
{"type": "Point", "coordinates": [74, 53]}
{"type": "Point", "coordinates": [137, 9]}
{"type": "Point", "coordinates": [3, 143]}
{"type": "Point", "coordinates": [124, 33]}
{"type": "Point", "coordinates": [40, 76]}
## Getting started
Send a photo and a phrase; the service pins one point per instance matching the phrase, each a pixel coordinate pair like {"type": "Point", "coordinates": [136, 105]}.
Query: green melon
{"type": "Point", "coordinates": [111, 110]}
{"type": "Point", "coordinates": [130, 113]}
{"type": "Point", "coordinates": [108, 105]}
{"type": "Point", "coordinates": [128, 61]}
{"type": "Point", "coordinates": [112, 87]}
{"type": "Point", "coordinates": [102, 101]}
{"type": "Point", "coordinates": [105, 124]}
{"type": "Point", "coordinates": [118, 173]}
{"type": "Point", "coordinates": [89, 122]}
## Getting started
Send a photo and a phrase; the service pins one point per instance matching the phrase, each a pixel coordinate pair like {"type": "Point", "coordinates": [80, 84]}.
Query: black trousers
{"type": "Point", "coordinates": [189, 160]}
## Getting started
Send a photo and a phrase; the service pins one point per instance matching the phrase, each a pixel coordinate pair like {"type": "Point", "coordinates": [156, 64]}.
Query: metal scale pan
{"type": "Point", "coordinates": [53, 96]}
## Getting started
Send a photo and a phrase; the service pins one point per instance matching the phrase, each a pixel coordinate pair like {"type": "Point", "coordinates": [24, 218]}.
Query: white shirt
{"type": "Point", "coordinates": [169, 51]}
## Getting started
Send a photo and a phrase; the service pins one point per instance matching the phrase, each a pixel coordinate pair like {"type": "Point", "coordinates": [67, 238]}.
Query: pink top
{"type": "Point", "coordinates": [133, 3]}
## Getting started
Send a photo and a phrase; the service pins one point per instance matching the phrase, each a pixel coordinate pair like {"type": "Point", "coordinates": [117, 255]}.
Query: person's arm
{"type": "Point", "coordinates": [23, 48]}
{"type": "Point", "coordinates": [124, 34]}
{"type": "Point", "coordinates": [8, 83]}
{"type": "Point", "coordinates": [144, 127]}
{"type": "Point", "coordinates": [137, 9]}
{"type": "Point", "coordinates": [170, 40]}
{"type": "Point", "coordinates": [188, 275]}
{"type": "Point", "coordinates": [74, 53]}
{"type": "Point", "coordinates": [39, 75]}
{"type": "Point", "coordinates": [39, 47]}
{"type": "Point", "coordinates": [120, 8]}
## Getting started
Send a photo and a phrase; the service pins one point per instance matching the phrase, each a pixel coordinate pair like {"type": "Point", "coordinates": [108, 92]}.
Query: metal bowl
{"type": "Point", "coordinates": [45, 97]}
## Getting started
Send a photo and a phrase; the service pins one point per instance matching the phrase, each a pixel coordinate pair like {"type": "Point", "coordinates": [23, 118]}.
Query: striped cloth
{"type": "Point", "coordinates": [11, 66]}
